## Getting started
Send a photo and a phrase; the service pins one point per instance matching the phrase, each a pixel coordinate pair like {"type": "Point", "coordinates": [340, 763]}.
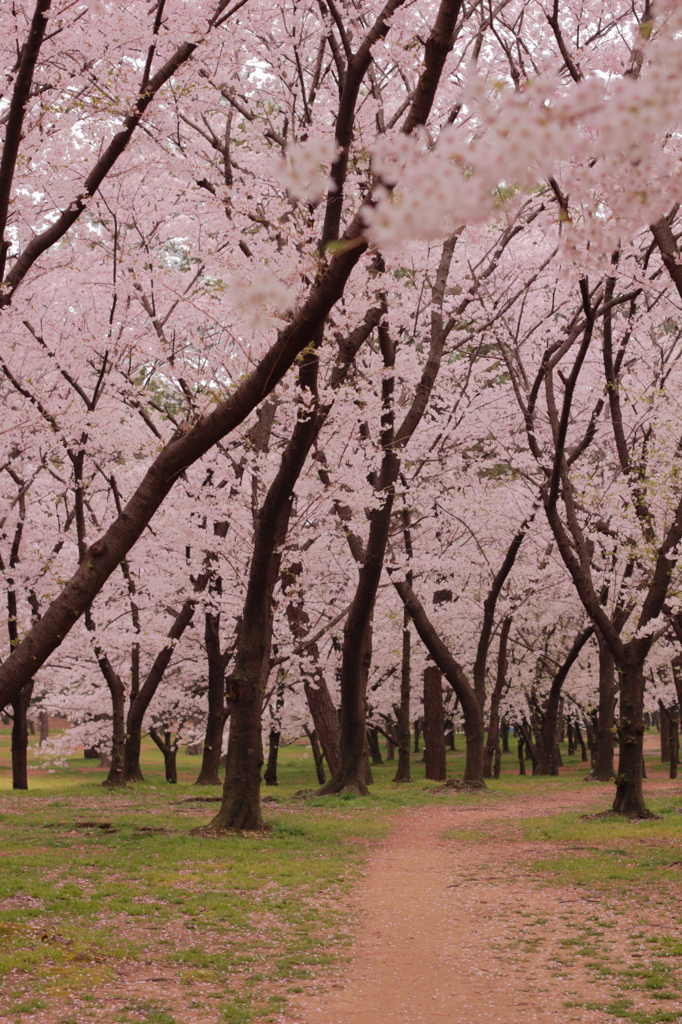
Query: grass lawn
{"type": "Point", "coordinates": [110, 910]}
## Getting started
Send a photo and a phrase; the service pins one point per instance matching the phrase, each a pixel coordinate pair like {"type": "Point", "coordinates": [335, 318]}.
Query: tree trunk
{"type": "Point", "coordinates": [374, 748]}
{"type": "Point", "coordinates": [170, 753]}
{"type": "Point", "coordinates": [217, 711]}
{"type": "Point", "coordinates": [43, 727]}
{"type": "Point", "coordinates": [548, 756]}
{"type": "Point", "coordinates": [417, 734]}
{"type": "Point", "coordinates": [118, 733]}
{"type": "Point", "coordinates": [458, 680]}
{"type": "Point", "coordinates": [390, 749]}
{"type": "Point", "coordinates": [505, 736]}
{"type": "Point", "coordinates": [581, 741]}
{"type": "Point", "coordinates": [325, 719]}
{"type": "Point", "coordinates": [140, 700]}
{"type": "Point", "coordinates": [434, 725]}
{"type": "Point", "coordinates": [270, 775]}
{"type": "Point", "coordinates": [351, 774]}
{"type": "Point", "coordinates": [241, 807]}
{"type": "Point", "coordinates": [522, 760]}
{"type": "Point", "coordinates": [493, 742]}
{"type": "Point", "coordinates": [570, 737]}
{"type": "Point", "coordinates": [674, 736]}
{"type": "Point", "coordinates": [530, 748]}
{"type": "Point", "coordinates": [20, 707]}
{"type": "Point", "coordinates": [317, 754]}
{"type": "Point", "coordinates": [591, 731]}
{"type": "Point", "coordinates": [498, 762]}
{"type": "Point", "coordinates": [603, 767]}
{"type": "Point", "coordinates": [665, 732]}
{"type": "Point", "coordinates": [629, 796]}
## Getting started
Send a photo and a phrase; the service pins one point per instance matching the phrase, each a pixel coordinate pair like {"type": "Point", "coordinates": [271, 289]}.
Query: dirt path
{"type": "Point", "coordinates": [464, 932]}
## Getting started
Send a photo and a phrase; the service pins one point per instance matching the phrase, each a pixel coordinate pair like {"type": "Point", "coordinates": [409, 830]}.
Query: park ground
{"type": "Point", "coordinates": [420, 903]}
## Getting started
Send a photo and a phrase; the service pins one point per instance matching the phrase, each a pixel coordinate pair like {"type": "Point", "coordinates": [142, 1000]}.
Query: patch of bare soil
{"type": "Point", "coordinates": [465, 932]}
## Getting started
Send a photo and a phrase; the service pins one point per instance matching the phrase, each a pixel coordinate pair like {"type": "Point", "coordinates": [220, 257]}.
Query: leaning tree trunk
{"type": "Point", "coordinates": [629, 796]}
{"type": "Point", "coordinates": [318, 756]}
{"type": "Point", "coordinates": [474, 729]}
{"type": "Point", "coordinates": [240, 807]}
{"type": "Point", "coordinates": [20, 738]}
{"type": "Point", "coordinates": [434, 725]}
{"type": "Point", "coordinates": [140, 700]}
{"type": "Point", "coordinates": [547, 758]}
{"type": "Point", "coordinates": [325, 719]}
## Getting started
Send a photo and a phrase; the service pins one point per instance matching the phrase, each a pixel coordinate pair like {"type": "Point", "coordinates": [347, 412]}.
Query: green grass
{"type": "Point", "coordinates": [239, 921]}
{"type": "Point", "coordinates": [90, 916]}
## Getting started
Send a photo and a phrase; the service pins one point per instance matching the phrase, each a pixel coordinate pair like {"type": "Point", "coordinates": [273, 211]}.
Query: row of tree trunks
{"type": "Point", "coordinates": [352, 772]}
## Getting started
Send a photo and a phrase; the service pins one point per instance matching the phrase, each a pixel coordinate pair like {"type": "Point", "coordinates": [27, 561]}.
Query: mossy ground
{"type": "Point", "coordinates": [141, 921]}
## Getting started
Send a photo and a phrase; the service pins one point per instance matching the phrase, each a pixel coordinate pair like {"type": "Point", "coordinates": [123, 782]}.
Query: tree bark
{"type": "Point", "coordinates": [325, 719]}
{"type": "Point", "coordinates": [270, 774]}
{"type": "Point", "coordinates": [603, 768]}
{"type": "Point", "coordinates": [140, 701]}
{"type": "Point", "coordinates": [217, 710]}
{"type": "Point", "coordinates": [434, 725]}
{"type": "Point", "coordinates": [529, 746]}
{"type": "Point", "coordinates": [547, 755]}
{"type": "Point", "coordinates": [374, 748]}
{"type": "Point", "coordinates": [458, 680]}
{"type": "Point", "coordinates": [629, 797]}
{"type": "Point", "coordinates": [493, 742]}
{"type": "Point", "coordinates": [665, 732]}
{"type": "Point", "coordinates": [170, 751]}
{"type": "Point", "coordinates": [318, 756]}
{"type": "Point", "coordinates": [20, 708]}
{"type": "Point", "coordinates": [674, 740]}
{"type": "Point", "coordinates": [402, 710]}
{"type": "Point", "coordinates": [240, 808]}
{"type": "Point", "coordinates": [581, 741]}
{"type": "Point", "coordinates": [352, 771]}
{"type": "Point", "coordinates": [118, 733]}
